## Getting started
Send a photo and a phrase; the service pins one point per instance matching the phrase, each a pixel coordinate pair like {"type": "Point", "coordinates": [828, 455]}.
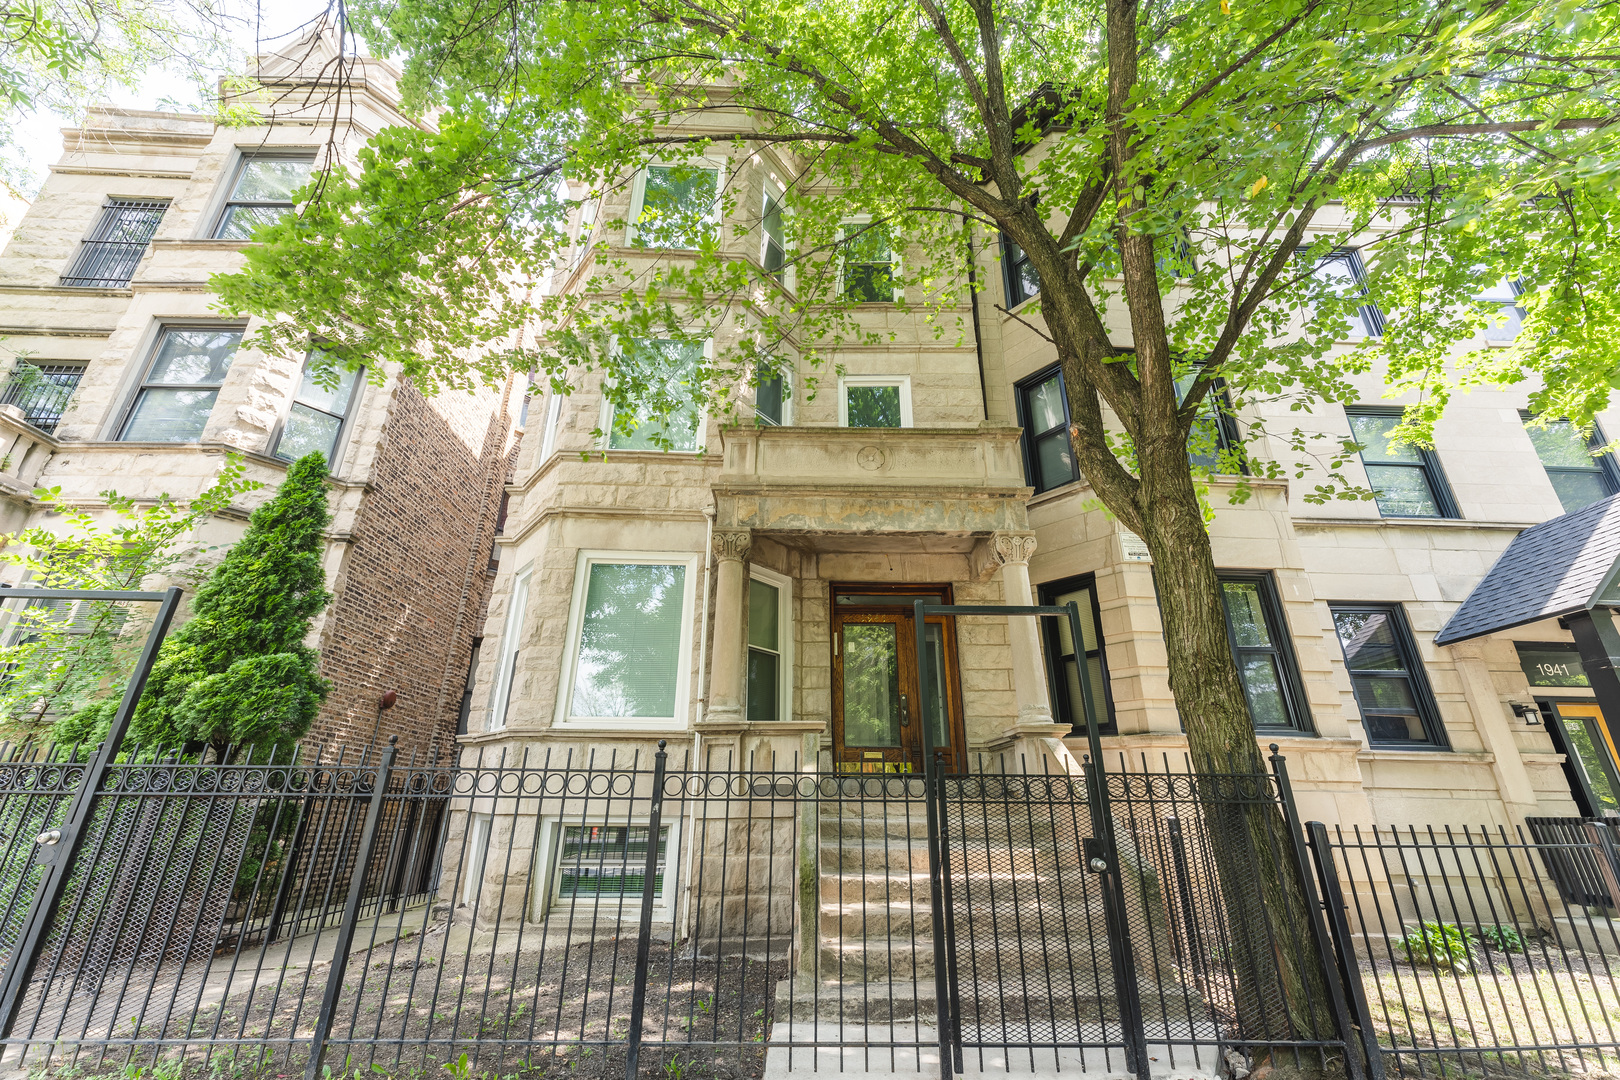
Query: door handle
{"type": "Point", "coordinates": [905, 712]}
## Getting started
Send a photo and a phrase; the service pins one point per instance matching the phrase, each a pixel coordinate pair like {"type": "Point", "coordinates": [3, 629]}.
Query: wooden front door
{"type": "Point", "coordinates": [877, 711]}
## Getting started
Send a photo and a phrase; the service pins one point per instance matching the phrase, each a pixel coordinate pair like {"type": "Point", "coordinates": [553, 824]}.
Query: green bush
{"type": "Point", "coordinates": [1501, 938]}
{"type": "Point", "coordinates": [1440, 945]}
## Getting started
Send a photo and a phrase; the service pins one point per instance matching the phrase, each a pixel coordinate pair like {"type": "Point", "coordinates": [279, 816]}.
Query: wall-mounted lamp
{"type": "Point", "coordinates": [1528, 711]}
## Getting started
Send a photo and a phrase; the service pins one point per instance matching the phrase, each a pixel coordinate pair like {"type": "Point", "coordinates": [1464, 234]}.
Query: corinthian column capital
{"type": "Point", "coordinates": [1006, 547]}
{"type": "Point", "coordinates": [732, 545]}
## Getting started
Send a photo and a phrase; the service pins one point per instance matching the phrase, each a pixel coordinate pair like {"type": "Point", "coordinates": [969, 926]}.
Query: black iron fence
{"type": "Point", "coordinates": [42, 391]}
{"type": "Point", "coordinates": [1478, 952]}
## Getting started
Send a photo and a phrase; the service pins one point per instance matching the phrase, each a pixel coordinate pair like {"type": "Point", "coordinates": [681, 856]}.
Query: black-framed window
{"type": "Point", "coordinates": [319, 413]}
{"type": "Point", "coordinates": [42, 390]}
{"type": "Point", "coordinates": [1063, 660]}
{"type": "Point", "coordinates": [177, 395]}
{"type": "Point", "coordinates": [262, 192]}
{"type": "Point", "coordinates": [1580, 476]}
{"type": "Point", "coordinates": [1264, 652]}
{"type": "Point", "coordinates": [1043, 412]}
{"type": "Point", "coordinates": [107, 258]}
{"type": "Point", "coordinates": [1392, 689]}
{"type": "Point", "coordinates": [1510, 316]}
{"type": "Point", "coordinates": [1214, 440]}
{"type": "Point", "coordinates": [1407, 479]}
{"type": "Point", "coordinates": [1021, 279]}
{"type": "Point", "coordinates": [770, 396]}
{"type": "Point", "coordinates": [1344, 272]}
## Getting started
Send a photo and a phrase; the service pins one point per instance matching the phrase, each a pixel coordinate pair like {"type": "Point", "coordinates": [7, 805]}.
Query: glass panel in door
{"type": "Point", "coordinates": [1592, 754]}
{"type": "Point", "coordinates": [872, 692]}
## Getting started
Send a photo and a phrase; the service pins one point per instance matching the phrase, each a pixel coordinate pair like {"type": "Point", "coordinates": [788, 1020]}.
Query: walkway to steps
{"type": "Point", "coordinates": [1033, 964]}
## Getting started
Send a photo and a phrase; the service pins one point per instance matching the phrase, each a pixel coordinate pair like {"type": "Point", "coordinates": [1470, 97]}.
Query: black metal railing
{"type": "Point", "coordinates": [1465, 953]}
{"type": "Point", "coordinates": [107, 258]}
{"type": "Point", "coordinates": [649, 916]}
{"type": "Point", "coordinates": [42, 391]}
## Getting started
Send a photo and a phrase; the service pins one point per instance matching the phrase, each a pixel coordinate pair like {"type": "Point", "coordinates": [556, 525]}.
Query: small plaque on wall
{"type": "Point", "coordinates": [1549, 663]}
{"type": "Point", "coordinates": [1133, 547]}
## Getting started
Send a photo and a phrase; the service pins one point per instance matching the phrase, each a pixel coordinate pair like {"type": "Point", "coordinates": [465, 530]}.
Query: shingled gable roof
{"type": "Point", "coordinates": [1556, 568]}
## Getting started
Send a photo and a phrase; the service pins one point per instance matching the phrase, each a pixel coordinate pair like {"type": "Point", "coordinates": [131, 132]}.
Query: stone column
{"type": "Point", "coordinates": [726, 656]}
{"type": "Point", "coordinates": [1013, 551]}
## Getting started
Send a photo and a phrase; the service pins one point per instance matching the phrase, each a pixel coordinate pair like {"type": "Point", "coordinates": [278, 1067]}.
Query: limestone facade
{"type": "Point", "coordinates": [416, 481]}
{"type": "Point", "coordinates": [945, 504]}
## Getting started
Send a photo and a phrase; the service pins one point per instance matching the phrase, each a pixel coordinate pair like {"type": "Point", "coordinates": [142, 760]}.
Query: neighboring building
{"type": "Point", "coordinates": [141, 387]}
{"type": "Point", "coordinates": [753, 599]}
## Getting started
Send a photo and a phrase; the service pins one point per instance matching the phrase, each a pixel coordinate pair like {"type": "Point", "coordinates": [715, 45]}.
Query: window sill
{"type": "Point", "coordinates": [1411, 523]}
{"type": "Point", "coordinates": [1392, 753]}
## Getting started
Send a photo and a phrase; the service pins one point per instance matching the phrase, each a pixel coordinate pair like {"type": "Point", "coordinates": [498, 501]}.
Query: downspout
{"type": "Point", "coordinates": [973, 303]}
{"type": "Point", "coordinates": [697, 735]}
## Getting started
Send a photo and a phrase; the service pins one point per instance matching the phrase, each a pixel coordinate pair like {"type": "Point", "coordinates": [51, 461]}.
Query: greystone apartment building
{"type": "Point", "coordinates": [141, 387]}
{"type": "Point", "coordinates": [745, 597]}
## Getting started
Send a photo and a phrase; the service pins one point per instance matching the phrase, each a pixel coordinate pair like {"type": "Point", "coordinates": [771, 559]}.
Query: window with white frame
{"type": "Point", "coordinates": [262, 192]}
{"type": "Point", "coordinates": [676, 207]}
{"type": "Point", "coordinates": [587, 229]}
{"type": "Point", "coordinates": [501, 696]}
{"type": "Point", "coordinates": [874, 401]}
{"type": "Point", "coordinates": [608, 863]}
{"type": "Point", "coordinates": [178, 393]}
{"type": "Point", "coordinates": [628, 641]}
{"type": "Point", "coordinates": [1504, 325]}
{"type": "Point", "coordinates": [548, 436]}
{"type": "Point", "coordinates": [772, 229]}
{"type": "Point", "coordinates": [770, 639]}
{"type": "Point", "coordinates": [479, 829]}
{"type": "Point", "coordinates": [667, 369]}
{"type": "Point", "coordinates": [319, 412]}
{"type": "Point", "coordinates": [869, 265]}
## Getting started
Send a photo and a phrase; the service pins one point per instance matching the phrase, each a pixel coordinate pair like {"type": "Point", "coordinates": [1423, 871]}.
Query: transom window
{"type": "Point", "coordinates": [319, 413]}
{"type": "Point", "coordinates": [1063, 659]}
{"type": "Point", "coordinates": [874, 401]}
{"type": "Point", "coordinates": [1580, 476]}
{"type": "Point", "coordinates": [675, 206]}
{"type": "Point", "coordinates": [1023, 281]}
{"type": "Point", "coordinates": [109, 255]}
{"type": "Point", "coordinates": [1264, 653]}
{"type": "Point", "coordinates": [262, 193]}
{"type": "Point", "coordinates": [668, 367]}
{"type": "Point", "coordinates": [1344, 273]}
{"type": "Point", "coordinates": [1407, 480]}
{"type": "Point", "coordinates": [629, 641]}
{"type": "Point", "coordinates": [1043, 412]}
{"type": "Point", "coordinates": [1397, 706]}
{"type": "Point", "coordinates": [174, 401]}
{"type": "Point", "coordinates": [870, 265]}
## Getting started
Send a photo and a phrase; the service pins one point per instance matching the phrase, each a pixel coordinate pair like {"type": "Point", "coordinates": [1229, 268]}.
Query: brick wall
{"type": "Point", "coordinates": [416, 581]}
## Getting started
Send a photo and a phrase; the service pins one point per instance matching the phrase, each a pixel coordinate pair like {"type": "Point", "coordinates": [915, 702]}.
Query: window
{"type": "Point", "coordinates": [869, 263]}
{"type": "Point", "coordinates": [1263, 652]}
{"type": "Point", "coordinates": [1214, 441]}
{"type": "Point", "coordinates": [1063, 662]}
{"type": "Point", "coordinates": [472, 881]}
{"type": "Point", "coordinates": [773, 235]}
{"type": "Point", "coordinates": [609, 862]}
{"type": "Point", "coordinates": [1579, 476]}
{"type": "Point", "coordinates": [675, 207]}
{"type": "Point", "coordinates": [874, 401]}
{"type": "Point", "coordinates": [1022, 280]}
{"type": "Point", "coordinates": [1407, 479]}
{"type": "Point", "coordinates": [770, 632]}
{"type": "Point", "coordinates": [500, 697]}
{"type": "Point", "coordinates": [770, 396]}
{"type": "Point", "coordinates": [668, 368]}
{"type": "Point", "coordinates": [548, 437]}
{"type": "Point", "coordinates": [1345, 274]}
{"type": "Point", "coordinates": [1510, 316]}
{"type": "Point", "coordinates": [1043, 412]}
{"type": "Point", "coordinates": [587, 228]}
{"type": "Point", "coordinates": [109, 255]}
{"type": "Point", "coordinates": [319, 412]}
{"type": "Point", "coordinates": [42, 391]}
{"type": "Point", "coordinates": [629, 641]}
{"type": "Point", "coordinates": [263, 192]}
{"type": "Point", "coordinates": [1397, 707]}
{"type": "Point", "coordinates": [173, 403]}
